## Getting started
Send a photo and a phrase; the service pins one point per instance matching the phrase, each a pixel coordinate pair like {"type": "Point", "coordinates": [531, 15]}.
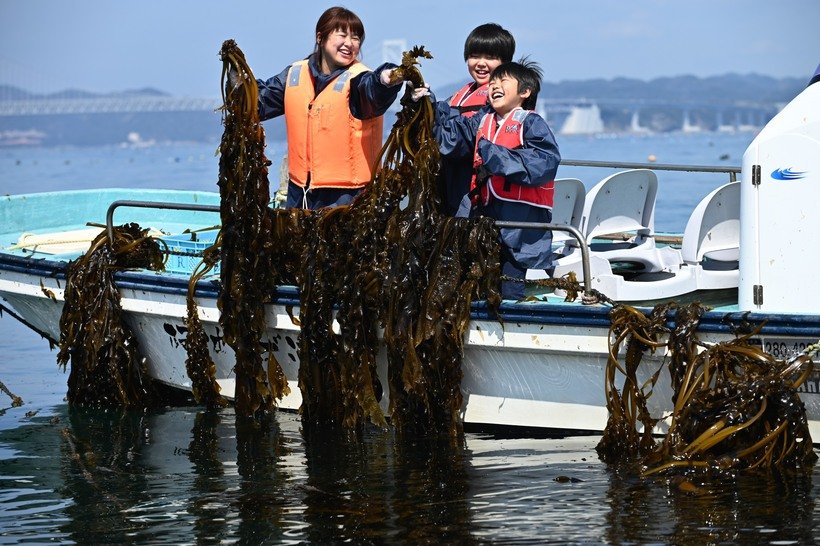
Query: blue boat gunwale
{"type": "Point", "coordinates": [541, 313]}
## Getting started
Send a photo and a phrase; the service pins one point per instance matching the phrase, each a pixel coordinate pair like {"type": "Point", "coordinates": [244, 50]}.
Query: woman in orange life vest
{"type": "Point", "coordinates": [333, 107]}
{"type": "Point", "coordinates": [515, 157]}
{"type": "Point", "coordinates": [486, 47]}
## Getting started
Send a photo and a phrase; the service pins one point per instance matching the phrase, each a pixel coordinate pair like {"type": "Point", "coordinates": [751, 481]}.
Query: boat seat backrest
{"type": "Point", "coordinates": [713, 229]}
{"type": "Point", "coordinates": [622, 202]}
{"type": "Point", "coordinates": [568, 205]}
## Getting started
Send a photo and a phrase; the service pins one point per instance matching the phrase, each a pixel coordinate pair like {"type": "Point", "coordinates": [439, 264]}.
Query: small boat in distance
{"type": "Point", "coordinates": [747, 252]}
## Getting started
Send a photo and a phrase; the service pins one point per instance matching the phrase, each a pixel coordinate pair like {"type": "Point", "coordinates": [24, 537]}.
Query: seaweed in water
{"type": "Point", "coordinates": [106, 367]}
{"type": "Point", "coordinates": [199, 365]}
{"type": "Point", "coordinates": [735, 406]}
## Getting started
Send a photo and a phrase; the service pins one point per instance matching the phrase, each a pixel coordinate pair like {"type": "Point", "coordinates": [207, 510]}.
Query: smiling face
{"type": "Point", "coordinates": [505, 96]}
{"type": "Point", "coordinates": [339, 49]}
{"type": "Point", "coordinates": [480, 66]}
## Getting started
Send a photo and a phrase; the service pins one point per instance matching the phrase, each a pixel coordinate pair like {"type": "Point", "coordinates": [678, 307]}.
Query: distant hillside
{"type": "Point", "coordinates": [723, 89]}
{"type": "Point", "coordinates": [669, 103]}
{"type": "Point", "coordinates": [10, 92]}
{"type": "Point", "coordinates": [703, 102]}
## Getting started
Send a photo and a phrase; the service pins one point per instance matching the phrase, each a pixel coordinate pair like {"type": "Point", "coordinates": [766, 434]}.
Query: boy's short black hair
{"type": "Point", "coordinates": [529, 76]}
{"type": "Point", "coordinates": [490, 39]}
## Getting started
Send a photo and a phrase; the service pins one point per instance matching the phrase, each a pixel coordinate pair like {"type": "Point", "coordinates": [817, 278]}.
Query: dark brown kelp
{"type": "Point", "coordinates": [436, 266]}
{"type": "Point", "coordinates": [627, 406]}
{"type": "Point", "coordinates": [735, 406]}
{"type": "Point", "coordinates": [246, 270]}
{"type": "Point", "coordinates": [199, 365]}
{"type": "Point", "coordinates": [337, 374]}
{"type": "Point", "coordinates": [367, 266]}
{"type": "Point", "coordinates": [106, 366]}
{"type": "Point", "coordinates": [409, 270]}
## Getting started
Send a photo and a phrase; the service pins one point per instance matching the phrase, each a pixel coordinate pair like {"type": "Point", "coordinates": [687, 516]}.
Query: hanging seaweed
{"type": "Point", "coordinates": [246, 273]}
{"type": "Point", "coordinates": [630, 426]}
{"type": "Point", "coordinates": [337, 374]}
{"type": "Point", "coordinates": [106, 366]}
{"type": "Point", "coordinates": [198, 363]}
{"type": "Point", "coordinates": [410, 270]}
{"type": "Point", "coordinates": [735, 406]}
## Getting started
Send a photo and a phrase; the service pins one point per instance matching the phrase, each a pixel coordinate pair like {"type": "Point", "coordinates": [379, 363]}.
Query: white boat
{"type": "Point", "coordinates": [583, 120]}
{"type": "Point", "coordinates": [748, 251]}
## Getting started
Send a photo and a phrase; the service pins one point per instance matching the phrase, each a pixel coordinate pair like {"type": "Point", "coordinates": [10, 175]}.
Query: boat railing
{"type": "Point", "coordinates": [731, 171]}
{"type": "Point", "coordinates": [109, 225]}
{"type": "Point", "coordinates": [109, 216]}
{"type": "Point", "coordinates": [582, 242]}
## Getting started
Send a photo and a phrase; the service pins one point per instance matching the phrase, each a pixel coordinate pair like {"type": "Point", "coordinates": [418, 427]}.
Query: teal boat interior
{"type": "Point", "coordinates": [61, 225]}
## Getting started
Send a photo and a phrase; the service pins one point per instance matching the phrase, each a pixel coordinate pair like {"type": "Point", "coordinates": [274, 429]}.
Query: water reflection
{"type": "Point", "coordinates": [766, 508]}
{"type": "Point", "coordinates": [415, 489]}
{"type": "Point", "coordinates": [185, 475]}
{"type": "Point", "coordinates": [260, 502]}
{"type": "Point", "coordinates": [207, 507]}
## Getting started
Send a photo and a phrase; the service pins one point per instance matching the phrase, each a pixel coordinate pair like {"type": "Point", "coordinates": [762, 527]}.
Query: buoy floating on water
{"type": "Point", "coordinates": [651, 158]}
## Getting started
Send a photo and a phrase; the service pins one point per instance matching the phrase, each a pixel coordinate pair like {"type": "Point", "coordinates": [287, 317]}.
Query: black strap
{"type": "Point", "coordinates": [482, 176]}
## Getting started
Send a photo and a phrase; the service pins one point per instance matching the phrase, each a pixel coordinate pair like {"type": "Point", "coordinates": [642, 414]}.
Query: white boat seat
{"type": "Point", "coordinates": [623, 202]}
{"type": "Point", "coordinates": [568, 206]}
{"type": "Point", "coordinates": [709, 252]}
{"type": "Point", "coordinates": [711, 240]}
{"type": "Point", "coordinates": [713, 229]}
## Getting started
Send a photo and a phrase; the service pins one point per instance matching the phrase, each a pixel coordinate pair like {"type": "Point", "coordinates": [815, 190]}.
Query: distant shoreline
{"type": "Point", "coordinates": [728, 103]}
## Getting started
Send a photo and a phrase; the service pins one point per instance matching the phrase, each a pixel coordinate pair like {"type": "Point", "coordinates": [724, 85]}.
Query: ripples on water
{"type": "Point", "coordinates": [184, 476]}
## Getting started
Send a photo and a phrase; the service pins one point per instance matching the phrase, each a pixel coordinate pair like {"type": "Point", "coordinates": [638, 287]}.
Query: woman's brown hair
{"type": "Point", "coordinates": [338, 18]}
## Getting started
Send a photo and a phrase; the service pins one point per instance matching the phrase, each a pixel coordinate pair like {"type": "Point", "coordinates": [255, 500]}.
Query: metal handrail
{"type": "Point", "coordinates": [731, 171]}
{"type": "Point", "coordinates": [109, 216]}
{"type": "Point", "coordinates": [582, 243]}
{"type": "Point", "coordinates": [109, 225]}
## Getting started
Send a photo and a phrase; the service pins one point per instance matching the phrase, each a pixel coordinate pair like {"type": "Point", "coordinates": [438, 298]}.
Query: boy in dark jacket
{"type": "Point", "coordinates": [515, 159]}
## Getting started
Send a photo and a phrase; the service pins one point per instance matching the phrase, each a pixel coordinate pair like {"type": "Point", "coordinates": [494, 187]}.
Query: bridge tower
{"type": "Point", "coordinates": [392, 50]}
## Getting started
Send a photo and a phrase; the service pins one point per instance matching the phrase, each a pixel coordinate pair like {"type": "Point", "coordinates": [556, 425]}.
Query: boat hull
{"type": "Point", "coordinates": [542, 365]}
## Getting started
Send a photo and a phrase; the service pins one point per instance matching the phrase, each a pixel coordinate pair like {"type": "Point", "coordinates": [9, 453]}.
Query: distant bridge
{"type": "Point", "coordinates": [106, 105]}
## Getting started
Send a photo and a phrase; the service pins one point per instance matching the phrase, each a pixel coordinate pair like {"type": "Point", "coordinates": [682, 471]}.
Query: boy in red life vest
{"type": "Point", "coordinates": [486, 47]}
{"type": "Point", "coordinates": [515, 160]}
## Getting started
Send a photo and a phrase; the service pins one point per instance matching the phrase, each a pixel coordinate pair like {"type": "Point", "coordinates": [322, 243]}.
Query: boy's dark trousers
{"type": "Point", "coordinates": [511, 290]}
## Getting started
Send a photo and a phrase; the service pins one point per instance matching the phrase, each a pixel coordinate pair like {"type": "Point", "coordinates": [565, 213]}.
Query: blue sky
{"type": "Point", "coordinates": [172, 45]}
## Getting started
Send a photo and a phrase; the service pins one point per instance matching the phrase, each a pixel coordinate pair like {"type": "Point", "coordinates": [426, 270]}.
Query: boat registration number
{"type": "Point", "coordinates": [784, 348]}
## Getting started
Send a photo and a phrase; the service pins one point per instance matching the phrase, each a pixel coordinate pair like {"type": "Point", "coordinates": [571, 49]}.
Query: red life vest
{"type": "Point", "coordinates": [470, 100]}
{"type": "Point", "coordinates": [510, 134]}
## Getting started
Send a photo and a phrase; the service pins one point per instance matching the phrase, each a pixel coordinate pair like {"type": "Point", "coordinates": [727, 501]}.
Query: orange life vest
{"type": "Point", "coordinates": [510, 134]}
{"type": "Point", "coordinates": [469, 100]}
{"type": "Point", "coordinates": [327, 146]}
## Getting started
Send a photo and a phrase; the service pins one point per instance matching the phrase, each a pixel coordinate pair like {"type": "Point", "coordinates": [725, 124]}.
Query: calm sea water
{"type": "Point", "coordinates": [185, 476]}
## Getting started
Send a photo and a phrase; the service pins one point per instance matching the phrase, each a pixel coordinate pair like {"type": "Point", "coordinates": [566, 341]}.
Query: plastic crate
{"type": "Point", "coordinates": [187, 253]}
